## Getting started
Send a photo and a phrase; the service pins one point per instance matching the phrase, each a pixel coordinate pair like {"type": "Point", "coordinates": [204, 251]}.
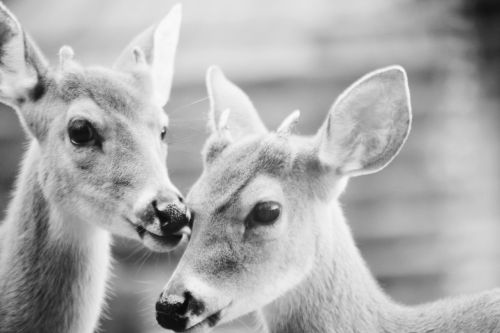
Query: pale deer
{"type": "Point", "coordinates": [95, 166]}
{"type": "Point", "coordinates": [269, 238]}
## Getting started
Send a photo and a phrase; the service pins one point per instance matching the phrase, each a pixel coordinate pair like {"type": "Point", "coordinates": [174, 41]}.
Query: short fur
{"type": "Point", "coordinates": [47, 283]}
{"type": "Point", "coordinates": [303, 272]}
{"type": "Point", "coordinates": [55, 240]}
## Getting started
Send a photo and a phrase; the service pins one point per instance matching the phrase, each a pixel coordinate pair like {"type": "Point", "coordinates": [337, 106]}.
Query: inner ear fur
{"type": "Point", "coordinates": [154, 51]}
{"type": "Point", "coordinates": [24, 78]}
{"type": "Point", "coordinates": [22, 66]}
{"type": "Point", "coordinates": [368, 124]}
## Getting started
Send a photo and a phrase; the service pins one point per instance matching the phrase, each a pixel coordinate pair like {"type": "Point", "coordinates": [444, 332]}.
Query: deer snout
{"type": "Point", "coordinates": [174, 311]}
{"type": "Point", "coordinates": [163, 213]}
{"type": "Point", "coordinates": [173, 216]}
{"type": "Point", "coordinates": [162, 219]}
{"type": "Point", "coordinates": [188, 302]}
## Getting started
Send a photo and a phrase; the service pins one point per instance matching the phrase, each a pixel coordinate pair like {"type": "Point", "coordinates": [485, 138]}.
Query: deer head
{"type": "Point", "coordinates": [262, 205]}
{"type": "Point", "coordinates": [100, 132]}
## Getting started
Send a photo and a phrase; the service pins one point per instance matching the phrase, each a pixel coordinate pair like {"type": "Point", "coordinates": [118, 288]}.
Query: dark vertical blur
{"type": "Point", "coordinates": [484, 16]}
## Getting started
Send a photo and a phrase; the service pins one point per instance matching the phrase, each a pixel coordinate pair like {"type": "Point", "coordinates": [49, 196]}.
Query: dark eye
{"type": "Point", "coordinates": [81, 132]}
{"type": "Point", "coordinates": [163, 133]}
{"type": "Point", "coordinates": [265, 213]}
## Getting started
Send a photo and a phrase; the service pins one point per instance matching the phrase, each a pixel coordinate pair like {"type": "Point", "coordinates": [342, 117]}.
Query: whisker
{"type": "Point", "coordinates": [182, 107]}
{"type": "Point", "coordinates": [187, 120]}
{"type": "Point", "coordinates": [138, 248]}
{"type": "Point", "coordinates": [188, 126]}
{"type": "Point", "coordinates": [184, 139]}
{"type": "Point", "coordinates": [244, 324]}
{"type": "Point", "coordinates": [143, 260]}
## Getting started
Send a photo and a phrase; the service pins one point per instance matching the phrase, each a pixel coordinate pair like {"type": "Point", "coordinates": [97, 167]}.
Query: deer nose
{"type": "Point", "coordinates": [173, 311]}
{"type": "Point", "coordinates": [172, 214]}
{"type": "Point", "coordinates": [163, 213]}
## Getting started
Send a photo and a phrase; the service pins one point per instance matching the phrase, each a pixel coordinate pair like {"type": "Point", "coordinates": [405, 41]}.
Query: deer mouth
{"type": "Point", "coordinates": [142, 232]}
{"type": "Point", "coordinates": [206, 324]}
{"type": "Point", "coordinates": [158, 241]}
{"type": "Point", "coordinates": [203, 326]}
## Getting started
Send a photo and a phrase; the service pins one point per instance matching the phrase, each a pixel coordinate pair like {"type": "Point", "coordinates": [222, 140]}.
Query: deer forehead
{"type": "Point", "coordinates": [113, 92]}
{"type": "Point", "coordinates": [237, 166]}
{"type": "Point", "coordinates": [263, 187]}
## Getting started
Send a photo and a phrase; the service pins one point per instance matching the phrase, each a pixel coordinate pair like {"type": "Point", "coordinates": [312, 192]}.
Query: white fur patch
{"type": "Point", "coordinates": [166, 37]}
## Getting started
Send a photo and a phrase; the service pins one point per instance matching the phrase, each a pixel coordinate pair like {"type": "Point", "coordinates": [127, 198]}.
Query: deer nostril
{"type": "Point", "coordinates": [173, 217]}
{"type": "Point", "coordinates": [173, 311]}
{"type": "Point", "coordinates": [162, 213]}
{"type": "Point", "coordinates": [170, 316]}
{"type": "Point", "coordinates": [193, 305]}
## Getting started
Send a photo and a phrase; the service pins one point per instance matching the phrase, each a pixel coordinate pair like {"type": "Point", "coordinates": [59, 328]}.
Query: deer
{"type": "Point", "coordinates": [95, 166]}
{"type": "Point", "coordinates": [269, 239]}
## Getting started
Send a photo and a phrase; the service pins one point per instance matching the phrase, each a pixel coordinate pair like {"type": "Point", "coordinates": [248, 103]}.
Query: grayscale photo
{"type": "Point", "coordinates": [250, 166]}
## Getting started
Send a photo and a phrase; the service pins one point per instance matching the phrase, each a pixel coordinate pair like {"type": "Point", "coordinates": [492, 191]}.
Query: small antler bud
{"type": "Point", "coordinates": [139, 56]}
{"type": "Point", "coordinates": [288, 125]}
{"type": "Point", "coordinates": [66, 54]}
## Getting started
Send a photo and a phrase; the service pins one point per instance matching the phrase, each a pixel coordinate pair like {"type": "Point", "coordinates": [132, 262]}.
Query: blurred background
{"type": "Point", "coordinates": [428, 225]}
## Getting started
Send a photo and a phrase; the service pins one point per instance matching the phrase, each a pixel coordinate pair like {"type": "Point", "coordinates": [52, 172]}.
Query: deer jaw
{"type": "Point", "coordinates": [116, 178]}
{"type": "Point", "coordinates": [266, 215]}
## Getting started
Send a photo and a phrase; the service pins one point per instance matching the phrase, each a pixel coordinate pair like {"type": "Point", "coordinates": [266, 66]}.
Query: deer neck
{"type": "Point", "coordinates": [338, 295]}
{"type": "Point", "coordinates": [47, 282]}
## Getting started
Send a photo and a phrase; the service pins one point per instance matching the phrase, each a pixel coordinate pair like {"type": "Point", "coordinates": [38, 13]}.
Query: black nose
{"type": "Point", "coordinates": [172, 312]}
{"type": "Point", "coordinates": [173, 216]}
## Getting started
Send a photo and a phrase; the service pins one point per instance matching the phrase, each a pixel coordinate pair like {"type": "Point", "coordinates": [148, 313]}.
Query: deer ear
{"type": "Point", "coordinates": [229, 101]}
{"type": "Point", "coordinates": [368, 124]}
{"type": "Point", "coordinates": [156, 48]}
{"type": "Point", "coordinates": [22, 66]}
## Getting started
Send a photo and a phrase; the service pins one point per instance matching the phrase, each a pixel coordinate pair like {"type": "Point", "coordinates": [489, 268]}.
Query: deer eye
{"type": "Point", "coordinates": [265, 213]}
{"type": "Point", "coordinates": [81, 132]}
{"type": "Point", "coordinates": [163, 133]}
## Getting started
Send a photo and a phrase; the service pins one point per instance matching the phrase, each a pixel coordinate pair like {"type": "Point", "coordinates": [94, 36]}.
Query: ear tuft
{"type": "Point", "coordinates": [223, 94]}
